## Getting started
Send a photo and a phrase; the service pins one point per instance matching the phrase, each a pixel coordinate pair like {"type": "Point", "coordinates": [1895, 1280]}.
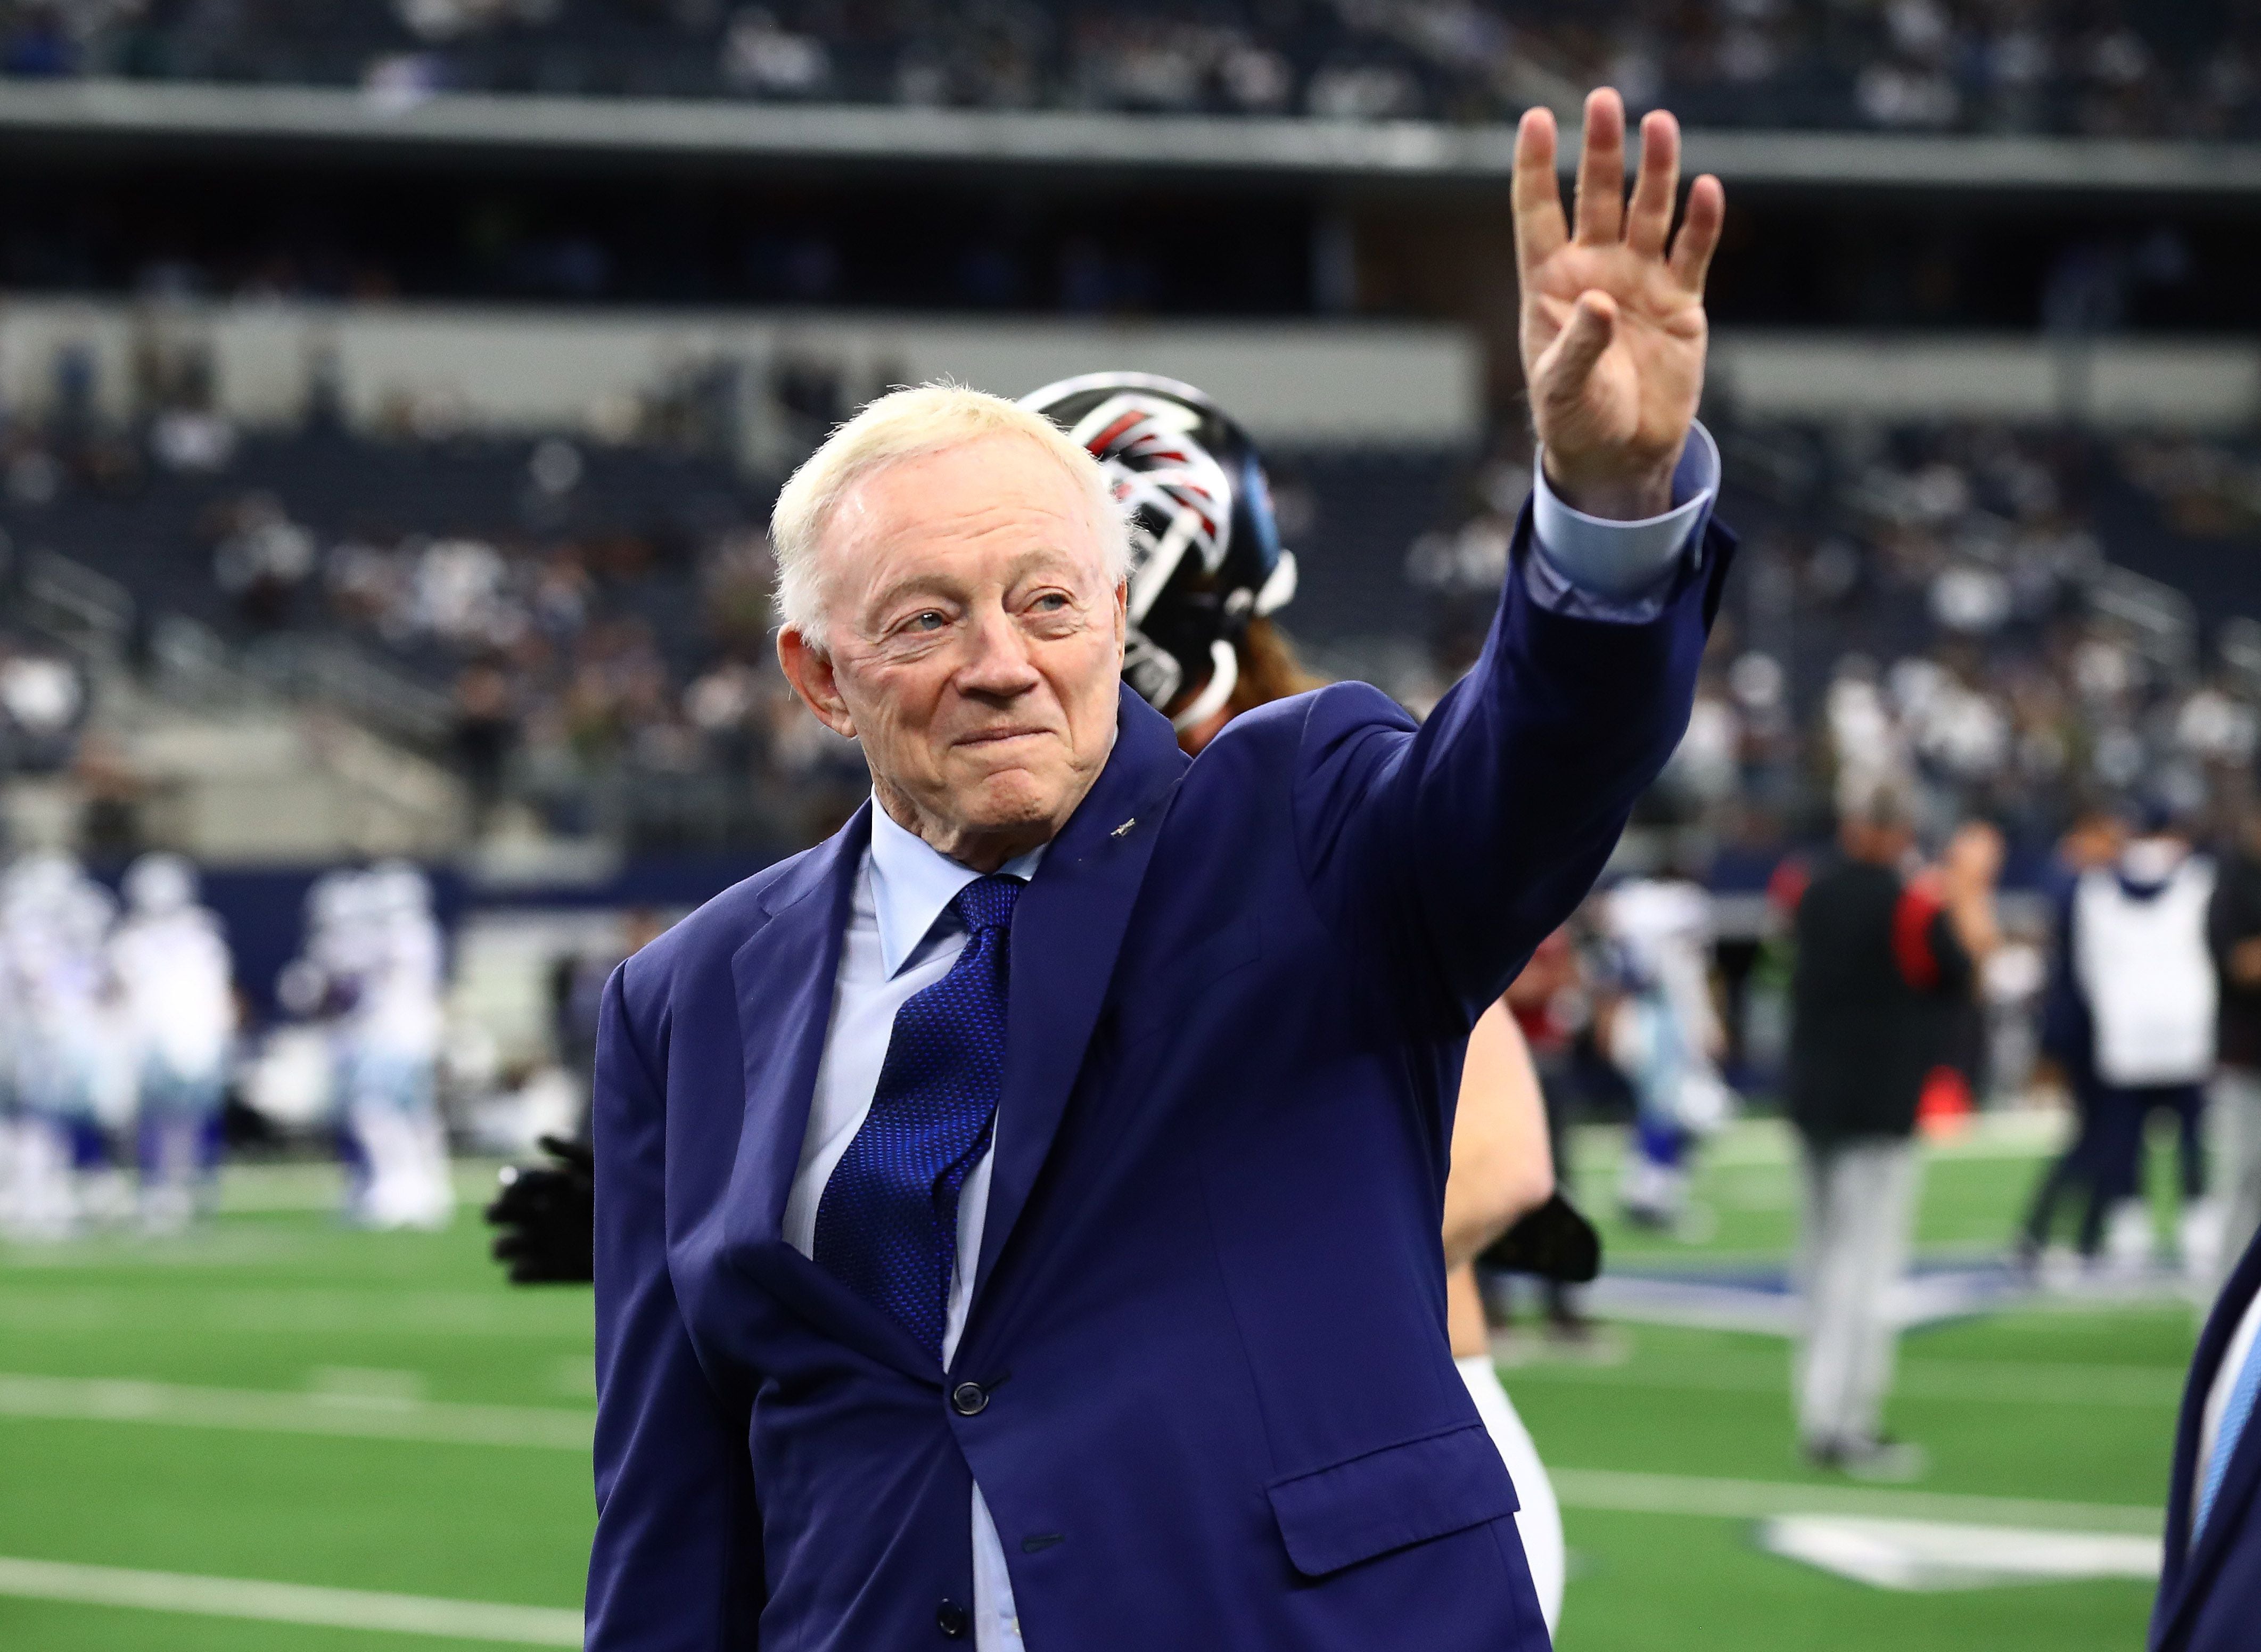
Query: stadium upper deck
{"type": "Point", "coordinates": [2069, 67]}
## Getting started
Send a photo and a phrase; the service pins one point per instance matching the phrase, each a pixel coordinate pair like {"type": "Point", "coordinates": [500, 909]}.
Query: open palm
{"type": "Point", "coordinates": [1612, 329]}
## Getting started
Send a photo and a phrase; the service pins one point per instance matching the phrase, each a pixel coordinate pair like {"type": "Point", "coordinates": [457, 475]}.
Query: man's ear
{"type": "Point", "coordinates": [810, 672]}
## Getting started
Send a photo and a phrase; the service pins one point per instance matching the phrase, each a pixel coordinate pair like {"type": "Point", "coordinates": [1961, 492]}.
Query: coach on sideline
{"type": "Point", "coordinates": [1017, 1216]}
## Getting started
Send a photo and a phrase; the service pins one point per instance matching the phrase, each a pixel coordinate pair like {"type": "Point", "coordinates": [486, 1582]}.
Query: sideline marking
{"type": "Point", "coordinates": [289, 1603]}
{"type": "Point", "coordinates": [1928, 1556]}
{"type": "Point", "coordinates": [1625, 1493]}
{"type": "Point", "coordinates": [363, 1416]}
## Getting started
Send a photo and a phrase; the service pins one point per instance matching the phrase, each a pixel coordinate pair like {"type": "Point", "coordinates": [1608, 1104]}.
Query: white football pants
{"type": "Point", "coordinates": [1538, 1522]}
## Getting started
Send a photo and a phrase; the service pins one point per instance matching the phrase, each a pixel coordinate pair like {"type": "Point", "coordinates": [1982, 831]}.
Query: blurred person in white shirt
{"type": "Point", "coordinates": [175, 978]}
{"type": "Point", "coordinates": [1664, 1033]}
{"type": "Point", "coordinates": [373, 967]}
{"type": "Point", "coordinates": [391, 1098]}
{"type": "Point", "coordinates": [53, 919]}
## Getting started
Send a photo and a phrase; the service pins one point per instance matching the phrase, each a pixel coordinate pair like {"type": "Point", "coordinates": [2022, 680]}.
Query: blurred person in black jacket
{"type": "Point", "coordinates": [2094, 839]}
{"type": "Point", "coordinates": [1884, 958]}
{"type": "Point", "coordinates": [2234, 933]}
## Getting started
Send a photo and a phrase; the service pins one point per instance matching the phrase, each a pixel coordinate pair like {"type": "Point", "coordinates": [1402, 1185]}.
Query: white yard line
{"type": "Point", "coordinates": [363, 1416]}
{"type": "Point", "coordinates": [554, 1428]}
{"type": "Point", "coordinates": [1608, 1489]}
{"type": "Point", "coordinates": [289, 1603]}
{"type": "Point", "coordinates": [294, 1311]}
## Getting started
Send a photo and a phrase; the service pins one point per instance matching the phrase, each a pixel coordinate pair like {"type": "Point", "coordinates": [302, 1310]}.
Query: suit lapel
{"type": "Point", "coordinates": [785, 973]}
{"type": "Point", "coordinates": [1067, 931]}
{"type": "Point", "coordinates": [2184, 1564]}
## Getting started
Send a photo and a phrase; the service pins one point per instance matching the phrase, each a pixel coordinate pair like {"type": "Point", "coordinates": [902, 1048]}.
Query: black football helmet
{"type": "Point", "coordinates": [1205, 553]}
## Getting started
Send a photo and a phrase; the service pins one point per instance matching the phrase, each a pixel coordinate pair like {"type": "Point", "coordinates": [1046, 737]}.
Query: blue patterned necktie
{"type": "Point", "coordinates": [887, 1225]}
{"type": "Point", "coordinates": [2236, 1412]}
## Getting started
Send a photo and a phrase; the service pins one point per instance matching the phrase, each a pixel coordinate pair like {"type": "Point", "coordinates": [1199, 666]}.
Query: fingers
{"type": "Point", "coordinates": [1648, 223]}
{"type": "Point", "coordinates": [1593, 323]}
{"type": "Point", "coordinates": [1601, 169]}
{"type": "Point", "coordinates": [1539, 229]}
{"type": "Point", "coordinates": [1699, 232]}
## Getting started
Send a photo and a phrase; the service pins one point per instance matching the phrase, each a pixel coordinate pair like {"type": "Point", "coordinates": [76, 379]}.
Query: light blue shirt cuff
{"type": "Point", "coordinates": [1610, 567]}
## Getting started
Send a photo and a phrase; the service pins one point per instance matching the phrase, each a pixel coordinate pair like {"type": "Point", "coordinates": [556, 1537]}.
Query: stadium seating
{"type": "Point", "coordinates": [1914, 64]}
{"type": "Point", "coordinates": [598, 613]}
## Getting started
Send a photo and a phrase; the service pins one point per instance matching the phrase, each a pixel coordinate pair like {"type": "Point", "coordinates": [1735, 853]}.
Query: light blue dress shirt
{"type": "Point", "coordinates": [1605, 570]}
{"type": "Point", "coordinates": [2217, 1404]}
{"type": "Point", "coordinates": [901, 937]}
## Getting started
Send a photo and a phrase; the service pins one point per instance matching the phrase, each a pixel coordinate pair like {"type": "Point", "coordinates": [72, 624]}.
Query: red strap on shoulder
{"type": "Point", "coordinates": [1918, 905]}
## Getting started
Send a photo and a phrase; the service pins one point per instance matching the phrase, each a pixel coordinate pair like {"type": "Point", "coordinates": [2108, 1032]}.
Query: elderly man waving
{"type": "Point", "coordinates": [1017, 1216]}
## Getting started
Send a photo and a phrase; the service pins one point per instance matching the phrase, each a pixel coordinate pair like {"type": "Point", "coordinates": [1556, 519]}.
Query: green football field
{"type": "Point", "coordinates": [279, 1434]}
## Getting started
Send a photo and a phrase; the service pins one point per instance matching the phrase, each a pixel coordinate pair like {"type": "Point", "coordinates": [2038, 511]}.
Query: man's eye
{"type": "Point", "coordinates": [929, 620]}
{"type": "Point", "coordinates": [1051, 602]}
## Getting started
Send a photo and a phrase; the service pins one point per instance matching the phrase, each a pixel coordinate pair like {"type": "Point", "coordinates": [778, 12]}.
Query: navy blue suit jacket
{"type": "Point", "coordinates": [1209, 1313]}
{"type": "Point", "coordinates": [2210, 1596]}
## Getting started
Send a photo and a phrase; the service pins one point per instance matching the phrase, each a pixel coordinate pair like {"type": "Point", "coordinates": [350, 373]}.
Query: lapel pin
{"type": "Point", "coordinates": [1124, 830]}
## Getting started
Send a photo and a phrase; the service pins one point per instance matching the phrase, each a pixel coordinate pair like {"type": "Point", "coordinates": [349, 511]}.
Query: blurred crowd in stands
{"type": "Point", "coordinates": [2100, 67]}
{"type": "Point", "coordinates": [2022, 623]}
{"type": "Point", "coordinates": [2009, 619]}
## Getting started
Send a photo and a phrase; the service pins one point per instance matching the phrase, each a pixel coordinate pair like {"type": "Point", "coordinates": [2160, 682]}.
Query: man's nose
{"type": "Point", "coordinates": [997, 662]}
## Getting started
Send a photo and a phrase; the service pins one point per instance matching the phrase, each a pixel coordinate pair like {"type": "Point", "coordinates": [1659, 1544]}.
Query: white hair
{"type": "Point", "coordinates": [911, 423]}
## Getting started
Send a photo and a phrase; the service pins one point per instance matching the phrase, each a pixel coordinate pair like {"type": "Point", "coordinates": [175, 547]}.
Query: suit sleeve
{"type": "Point", "coordinates": [677, 1562]}
{"type": "Point", "coordinates": [1455, 849]}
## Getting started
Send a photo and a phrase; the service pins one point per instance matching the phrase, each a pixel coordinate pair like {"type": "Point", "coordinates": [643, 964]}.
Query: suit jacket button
{"type": "Point", "coordinates": [969, 1399]}
{"type": "Point", "coordinates": [951, 1619]}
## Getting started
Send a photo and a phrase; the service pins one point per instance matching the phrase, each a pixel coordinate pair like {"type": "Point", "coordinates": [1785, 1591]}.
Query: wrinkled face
{"type": "Point", "coordinates": [975, 643]}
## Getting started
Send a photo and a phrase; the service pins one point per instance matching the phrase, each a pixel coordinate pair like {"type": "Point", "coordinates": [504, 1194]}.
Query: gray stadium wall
{"type": "Point", "coordinates": [1383, 384]}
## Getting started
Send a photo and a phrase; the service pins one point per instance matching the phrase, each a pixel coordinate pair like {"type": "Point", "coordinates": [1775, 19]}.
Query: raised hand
{"type": "Point", "coordinates": [1613, 328]}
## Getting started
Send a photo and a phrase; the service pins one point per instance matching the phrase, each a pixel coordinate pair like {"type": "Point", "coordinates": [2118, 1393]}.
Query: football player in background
{"type": "Point", "coordinates": [175, 982]}
{"type": "Point", "coordinates": [373, 967]}
{"type": "Point", "coordinates": [52, 922]}
{"type": "Point", "coordinates": [1662, 1031]}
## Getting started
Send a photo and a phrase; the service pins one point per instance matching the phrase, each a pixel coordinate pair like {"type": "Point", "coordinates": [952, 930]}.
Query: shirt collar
{"type": "Point", "coordinates": [913, 883]}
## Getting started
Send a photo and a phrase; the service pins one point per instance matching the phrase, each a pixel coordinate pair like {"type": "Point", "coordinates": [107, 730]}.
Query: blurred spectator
{"type": "Point", "coordinates": [43, 701]}
{"type": "Point", "coordinates": [485, 728]}
{"type": "Point", "coordinates": [109, 823]}
{"type": "Point", "coordinates": [761, 58]}
{"type": "Point", "coordinates": [1881, 958]}
{"type": "Point", "coordinates": [263, 557]}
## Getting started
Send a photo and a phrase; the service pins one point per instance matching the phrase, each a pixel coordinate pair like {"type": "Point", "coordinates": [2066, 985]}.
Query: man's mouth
{"type": "Point", "coordinates": [998, 737]}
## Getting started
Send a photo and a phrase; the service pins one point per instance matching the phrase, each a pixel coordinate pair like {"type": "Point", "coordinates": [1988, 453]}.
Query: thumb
{"type": "Point", "coordinates": [1593, 324]}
